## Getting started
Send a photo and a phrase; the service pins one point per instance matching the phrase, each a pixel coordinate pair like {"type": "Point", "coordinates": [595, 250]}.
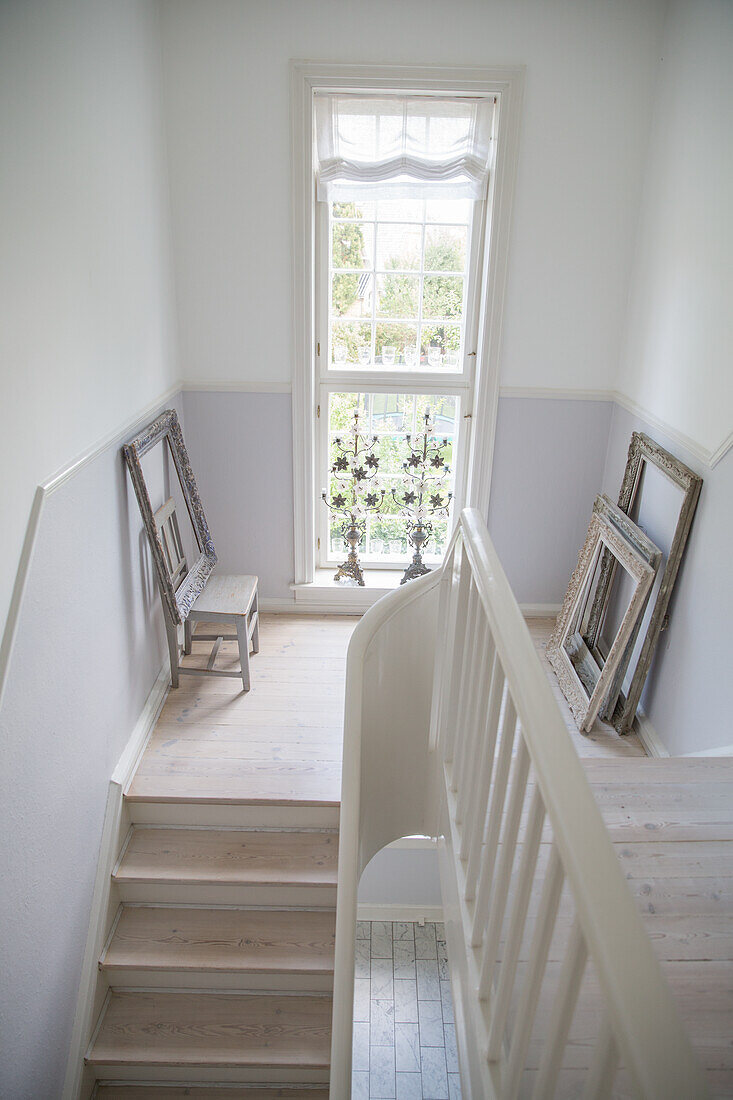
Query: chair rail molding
{"type": "Point", "coordinates": [43, 491]}
{"type": "Point", "coordinates": [709, 458]}
{"type": "Point", "coordinates": [507, 84]}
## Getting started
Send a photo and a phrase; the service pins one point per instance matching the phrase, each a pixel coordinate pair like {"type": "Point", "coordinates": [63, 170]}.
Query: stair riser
{"type": "Point", "coordinates": [243, 982]}
{"type": "Point", "coordinates": [215, 815]}
{"type": "Point", "coordinates": [312, 897]}
{"type": "Point", "coordinates": [296, 1075]}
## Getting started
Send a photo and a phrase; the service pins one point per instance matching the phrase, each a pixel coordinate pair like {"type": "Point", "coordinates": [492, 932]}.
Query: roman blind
{"type": "Point", "coordinates": [394, 146]}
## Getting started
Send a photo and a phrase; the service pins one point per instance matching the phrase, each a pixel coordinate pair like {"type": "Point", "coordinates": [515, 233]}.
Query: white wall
{"type": "Point", "coordinates": [677, 358]}
{"type": "Point", "coordinates": [584, 125]}
{"type": "Point", "coordinates": [86, 334]}
{"type": "Point", "coordinates": [85, 346]}
{"type": "Point", "coordinates": [678, 361]}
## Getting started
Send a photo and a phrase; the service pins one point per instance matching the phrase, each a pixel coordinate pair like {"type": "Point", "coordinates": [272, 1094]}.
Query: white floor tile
{"type": "Point", "coordinates": [431, 1023]}
{"type": "Point", "coordinates": [405, 1002]}
{"type": "Point", "coordinates": [407, 1048]}
{"type": "Point", "coordinates": [409, 1086]}
{"type": "Point", "coordinates": [381, 1073]}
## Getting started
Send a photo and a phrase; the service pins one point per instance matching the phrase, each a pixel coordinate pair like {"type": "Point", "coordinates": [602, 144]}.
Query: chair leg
{"type": "Point", "coordinates": [172, 634]}
{"type": "Point", "coordinates": [256, 631]}
{"type": "Point", "coordinates": [243, 640]}
{"type": "Point", "coordinates": [187, 632]}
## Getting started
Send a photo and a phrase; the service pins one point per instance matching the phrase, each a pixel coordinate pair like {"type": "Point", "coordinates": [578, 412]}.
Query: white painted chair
{"type": "Point", "coordinates": [225, 599]}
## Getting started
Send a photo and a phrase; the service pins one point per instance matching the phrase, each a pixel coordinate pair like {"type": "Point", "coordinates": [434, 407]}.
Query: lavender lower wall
{"type": "Point", "coordinates": [552, 457]}
{"type": "Point", "coordinates": [89, 645]}
{"type": "Point", "coordinates": [686, 696]}
{"type": "Point", "coordinates": [240, 445]}
{"type": "Point", "coordinates": [548, 468]}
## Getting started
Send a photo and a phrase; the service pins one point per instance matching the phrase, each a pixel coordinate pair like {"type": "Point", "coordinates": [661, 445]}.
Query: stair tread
{"type": "Point", "coordinates": [214, 1029]}
{"type": "Point", "coordinates": [153, 937]}
{"type": "Point", "coordinates": [229, 856]}
{"type": "Point", "coordinates": [132, 1091]}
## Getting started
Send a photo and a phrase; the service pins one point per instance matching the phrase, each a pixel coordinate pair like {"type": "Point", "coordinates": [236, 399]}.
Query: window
{"type": "Point", "coordinates": [395, 317]}
{"type": "Point", "coordinates": [398, 177]}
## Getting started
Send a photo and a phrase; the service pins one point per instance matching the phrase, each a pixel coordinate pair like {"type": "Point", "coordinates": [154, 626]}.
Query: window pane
{"type": "Point", "coordinates": [351, 295]}
{"type": "Point", "coordinates": [448, 210]}
{"type": "Point", "coordinates": [440, 346]}
{"type": "Point", "coordinates": [398, 295]}
{"type": "Point", "coordinates": [443, 296]}
{"type": "Point", "coordinates": [396, 345]}
{"type": "Point", "coordinates": [352, 244]}
{"type": "Point", "coordinates": [391, 417]}
{"type": "Point", "coordinates": [401, 210]}
{"type": "Point", "coordinates": [445, 248]}
{"type": "Point", "coordinates": [353, 209]}
{"type": "Point", "coordinates": [414, 301]}
{"type": "Point", "coordinates": [351, 343]}
{"type": "Point", "coordinates": [399, 247]}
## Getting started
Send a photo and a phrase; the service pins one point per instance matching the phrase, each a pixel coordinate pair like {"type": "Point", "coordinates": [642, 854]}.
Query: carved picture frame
{"type": "Point", "coordinates": [583, 682]}
{"type": "Point", "coordinates": [167, 429]}
{"type": "Point", "coordinates": [621, 709]}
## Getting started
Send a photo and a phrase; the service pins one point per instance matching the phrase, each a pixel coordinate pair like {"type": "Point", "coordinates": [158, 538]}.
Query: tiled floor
{"type": "Point", "coordinates": [404, 1036]}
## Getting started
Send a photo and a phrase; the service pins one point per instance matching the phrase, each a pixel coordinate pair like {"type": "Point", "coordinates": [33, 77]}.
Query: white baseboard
{"type": "Point", "coordinates": [540, 610]}
{"type": "Point", "coordinates": [650, 739]}
{"type": "Point", "coordinates": [414, 913]}
{"type": "Point", "coordinates": [140, 735]}
{"type": "Point", "coordinates": [108, 853]}
{"type": "Point", "coordinates": [724, 750]}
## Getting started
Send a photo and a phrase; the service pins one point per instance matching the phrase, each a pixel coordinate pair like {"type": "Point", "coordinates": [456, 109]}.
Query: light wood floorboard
{"type": "Point", "coordinates": [209, 1029]}
{"type": "Point", "coordinates": [229, 856]}
{"type": "Point", "coordinates": [279, 742]}
{"type": "Point", "coordinates": [218, 939]}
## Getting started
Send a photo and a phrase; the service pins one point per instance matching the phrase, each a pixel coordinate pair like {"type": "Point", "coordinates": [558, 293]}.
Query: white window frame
{"type": "Point", "coordinates": [478, 399]}
{"type": "Point", "coordinates": [451, 383]}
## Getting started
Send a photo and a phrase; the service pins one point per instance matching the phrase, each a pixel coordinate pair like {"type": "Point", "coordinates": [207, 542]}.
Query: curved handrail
{"type": "Point", "coordinates": [352, 859]}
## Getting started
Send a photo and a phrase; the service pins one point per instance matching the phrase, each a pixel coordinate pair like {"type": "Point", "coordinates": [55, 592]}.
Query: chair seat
{"type": "Point", "coordinates": [225, 595]}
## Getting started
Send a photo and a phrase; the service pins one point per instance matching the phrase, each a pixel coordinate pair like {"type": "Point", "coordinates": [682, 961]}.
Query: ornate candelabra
{"type": "Point", "coordinates": [355, 470]}
{"type": "Point", "coordinates": [423, 495]}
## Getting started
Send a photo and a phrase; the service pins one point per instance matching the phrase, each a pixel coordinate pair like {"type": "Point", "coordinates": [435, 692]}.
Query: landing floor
{"type": "Point", "coordinates": [282, 740]}
{"type": "Point", "coordinates": [279, 742]}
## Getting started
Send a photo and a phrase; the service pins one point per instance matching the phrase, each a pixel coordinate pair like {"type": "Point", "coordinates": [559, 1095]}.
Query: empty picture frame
{"type": "Point", "coordinates": [619, 709]}
{"type": "Point", "coordinates": [166, 429]}
{"type": "Point", "coordinates": [583, 681]}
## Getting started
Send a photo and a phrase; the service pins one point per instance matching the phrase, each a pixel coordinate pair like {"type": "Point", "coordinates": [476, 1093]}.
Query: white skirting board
{"type": "Point", "coordinates": [416, 914]}
{"type": "Point", "coordinates": [108, 853]}
{"type": "Point", "coordinates": [650, 739]}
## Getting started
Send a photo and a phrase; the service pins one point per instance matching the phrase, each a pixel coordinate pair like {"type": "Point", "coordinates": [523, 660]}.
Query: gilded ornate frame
{"type": "Point", "coordinates": [585, 683]}
{"type": "Point", "coordinates": [178, 602]}
{"type": "Point", "coordinates": [620, 710]}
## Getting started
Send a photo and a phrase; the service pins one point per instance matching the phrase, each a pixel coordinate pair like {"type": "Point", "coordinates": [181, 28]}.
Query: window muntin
{"type": "Point", "coordinates": [398, 284]}
{"type": "Point", "coordinates": [390, 416]}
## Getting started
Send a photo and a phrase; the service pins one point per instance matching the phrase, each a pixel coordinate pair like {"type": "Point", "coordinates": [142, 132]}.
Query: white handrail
{"type": "Point", "coordinates": [504, 773]}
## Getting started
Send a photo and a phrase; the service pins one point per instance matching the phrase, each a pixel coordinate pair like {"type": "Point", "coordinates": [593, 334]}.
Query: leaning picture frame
{"type": "Point", "coordinates": [166, 429]}
{"type": "Point", "coordinates": [583, 681]}
{"type": "Point", "coordinates": [620, 709]}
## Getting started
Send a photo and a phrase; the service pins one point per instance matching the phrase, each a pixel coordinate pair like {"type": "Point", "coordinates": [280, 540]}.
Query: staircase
{"type": "Point", "coordinates": [220, 960]}
{"type": "Point", "coordinates": [216, 977]}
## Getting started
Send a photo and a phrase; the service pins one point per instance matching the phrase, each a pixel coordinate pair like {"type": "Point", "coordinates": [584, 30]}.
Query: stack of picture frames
{"type": "Point", "coordinates": [616, 604]}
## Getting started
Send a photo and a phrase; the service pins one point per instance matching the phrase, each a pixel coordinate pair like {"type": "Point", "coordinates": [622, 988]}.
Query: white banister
{"type": "Point", "coordinates": [452, 729]}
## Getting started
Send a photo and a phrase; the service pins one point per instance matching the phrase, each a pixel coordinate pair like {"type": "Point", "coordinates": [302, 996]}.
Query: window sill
{"type": "Point", "coordinates": [325, 595]}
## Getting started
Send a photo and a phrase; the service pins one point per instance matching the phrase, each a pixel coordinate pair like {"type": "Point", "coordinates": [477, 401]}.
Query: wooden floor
{"type": "Point", "coordinates": [671, 821]}
{"type": "Point", "coordinates": [279, 742]}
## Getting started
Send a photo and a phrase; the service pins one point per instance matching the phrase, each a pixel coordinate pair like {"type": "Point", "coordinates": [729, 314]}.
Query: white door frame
{"type": "Point", "coordinates": [506, 83]}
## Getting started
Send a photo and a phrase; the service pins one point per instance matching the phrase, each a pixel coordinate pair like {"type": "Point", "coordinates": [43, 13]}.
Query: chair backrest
{"type": "Point", "coordinates": [166, 524]}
